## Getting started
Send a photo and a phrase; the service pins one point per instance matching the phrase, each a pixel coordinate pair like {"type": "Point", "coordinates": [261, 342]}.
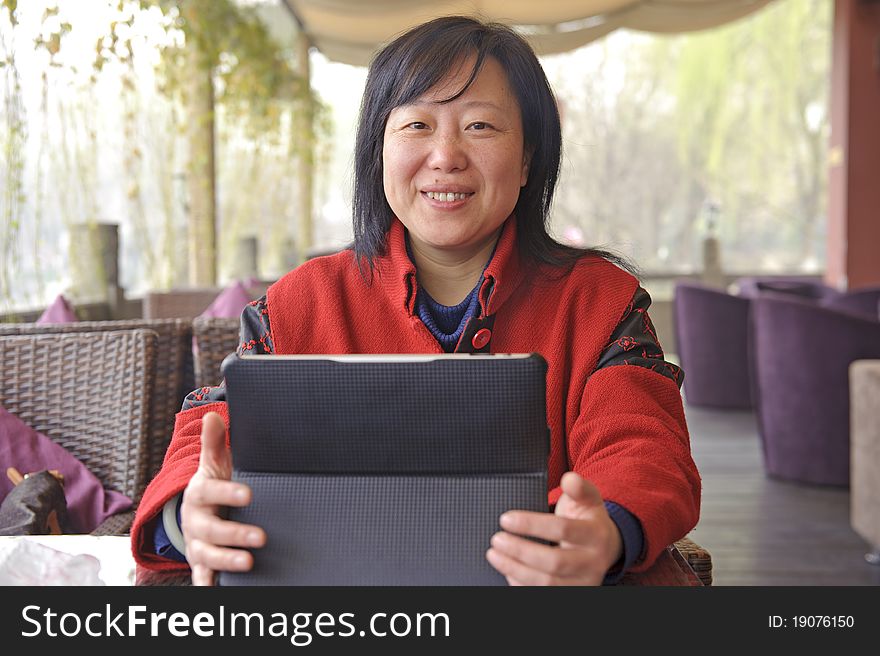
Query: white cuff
{"type": "Point", "coordinates": [172, 528]}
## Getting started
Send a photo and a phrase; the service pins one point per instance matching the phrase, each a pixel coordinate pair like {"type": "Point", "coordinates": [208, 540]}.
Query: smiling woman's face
{"type": "Point", "coordinates": [452, 171]}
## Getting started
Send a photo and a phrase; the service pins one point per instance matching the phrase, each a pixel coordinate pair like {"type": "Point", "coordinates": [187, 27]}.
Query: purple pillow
{"type": "Point", "coordinates": [58, 312]}
{"type": "Point", "coordinates": [88, 503]}
{"type": "Point", "coordinates": [230, 302]}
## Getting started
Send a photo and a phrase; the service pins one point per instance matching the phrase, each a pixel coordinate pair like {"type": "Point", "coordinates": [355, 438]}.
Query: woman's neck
{"type": "Point", "coordinates": [450, 276]}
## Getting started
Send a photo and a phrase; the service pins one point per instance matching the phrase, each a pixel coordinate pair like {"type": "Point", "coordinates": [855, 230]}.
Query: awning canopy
{"type": "Point", "coordinates": [350, 31]}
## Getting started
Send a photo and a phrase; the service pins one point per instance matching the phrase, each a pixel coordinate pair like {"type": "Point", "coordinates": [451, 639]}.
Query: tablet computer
{"type": "Point", "coordinates": [384, 470]}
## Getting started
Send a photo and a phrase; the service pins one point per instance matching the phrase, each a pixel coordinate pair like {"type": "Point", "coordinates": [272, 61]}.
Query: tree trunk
{"type": "Point", "coordinates": [304, 118]}
{"type": "Point", "coordinates": [94, 257]}
{"type": "Point", "coordinates": [201, 179]}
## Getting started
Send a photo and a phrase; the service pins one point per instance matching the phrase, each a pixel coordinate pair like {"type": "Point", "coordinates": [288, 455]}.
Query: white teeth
{"type": "Point", "coordinates": [445, 197]}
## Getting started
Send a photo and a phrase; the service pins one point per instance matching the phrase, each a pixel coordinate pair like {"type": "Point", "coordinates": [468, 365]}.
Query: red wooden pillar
{"type": "Point", "coordinates": [853, 240]}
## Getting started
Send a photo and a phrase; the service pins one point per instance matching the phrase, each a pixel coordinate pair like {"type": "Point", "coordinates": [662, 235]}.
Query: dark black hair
{"type": "Point", "coordinates": [414, 63]}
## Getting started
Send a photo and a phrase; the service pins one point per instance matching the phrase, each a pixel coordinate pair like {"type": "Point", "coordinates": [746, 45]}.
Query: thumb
{"type": "Point", "coordinates": [215, 459]}
{"type": "Point", "coordinates": [580, 490]}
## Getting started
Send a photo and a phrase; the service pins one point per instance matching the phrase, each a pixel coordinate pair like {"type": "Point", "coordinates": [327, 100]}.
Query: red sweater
{"type": "Point", "coordinates": [621, 427]}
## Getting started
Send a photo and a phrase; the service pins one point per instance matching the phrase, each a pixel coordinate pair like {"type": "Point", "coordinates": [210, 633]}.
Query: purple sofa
{"type": "Point", "coordinates": [711, 331]}
{"type": "Point", "coordinates": [807, 287]}
{"type": "Point", "coordinates": [801, 356]}
{"type": "Point", "coordinates": [865, 302]}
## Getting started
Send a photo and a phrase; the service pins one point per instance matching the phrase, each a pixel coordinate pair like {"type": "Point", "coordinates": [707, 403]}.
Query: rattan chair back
{"type": "Point", "coordinates": [215, 339]}
{"type": "Point", "coordinates": [178, 303]}
{"type": "Point", "coordinates": [174, 374]}
{"type": "Point", "coordinates": [89, 393]}
{"type": "Point", "coordinates": [698, 558]}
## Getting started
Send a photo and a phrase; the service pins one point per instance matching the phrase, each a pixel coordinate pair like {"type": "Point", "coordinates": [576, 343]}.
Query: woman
{"type": "Point", "coordinates": [456, 162]}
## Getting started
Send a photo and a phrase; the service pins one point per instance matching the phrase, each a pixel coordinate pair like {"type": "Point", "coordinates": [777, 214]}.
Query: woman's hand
{"type": "Point", "coordinates": [589, 541]}
{"type": "Point", "coordinates": [208, 537]}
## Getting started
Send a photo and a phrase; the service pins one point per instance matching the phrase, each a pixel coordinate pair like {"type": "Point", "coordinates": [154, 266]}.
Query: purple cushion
{"type": "Point", "coordinates": [58, 312]}
{"type": "Point", "coordinates": [22, 447]}
{"type": "Point", "coordinates": [230, 302]}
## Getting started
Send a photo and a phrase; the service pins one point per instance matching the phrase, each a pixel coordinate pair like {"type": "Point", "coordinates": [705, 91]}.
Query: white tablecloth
{"type": "Point", "coordinates": [66, 560]}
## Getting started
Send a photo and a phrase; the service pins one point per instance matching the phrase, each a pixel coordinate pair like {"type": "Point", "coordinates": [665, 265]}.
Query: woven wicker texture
{"type": "Point", "coordinates": [173, 377]}
{"type": "Point", "coordinates": [216, 337]}
{"type": "Point", "coordinates": [698, 558]}
{"type": "Point", "coordinates": [90, 393]}
{"type": "Point", "coordinates": [118, 524]}
{"type": "Point", "coordinates": [178, 303]}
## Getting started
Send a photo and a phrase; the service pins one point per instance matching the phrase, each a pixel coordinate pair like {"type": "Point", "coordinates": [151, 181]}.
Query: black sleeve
{"type": "Point", "coordinates": [634, 342]}
{"type": "Point", "coordinates": [255, 338]}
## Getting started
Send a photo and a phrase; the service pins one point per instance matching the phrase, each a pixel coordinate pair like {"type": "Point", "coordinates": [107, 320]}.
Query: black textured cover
{"type": "Point", "coordinates": [384, 472]}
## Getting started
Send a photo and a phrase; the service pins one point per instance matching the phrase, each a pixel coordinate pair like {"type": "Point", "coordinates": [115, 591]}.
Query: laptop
{"type": "Point", "coordinates": [384, 470]}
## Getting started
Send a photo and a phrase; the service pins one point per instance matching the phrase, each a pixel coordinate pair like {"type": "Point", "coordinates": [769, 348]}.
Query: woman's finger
{"type": "Point", "coordinates": [521, 573]}
{"type": "Point", "coordinates": [214, 530]}
{"type": "Point", "coordinates": [214, 457]}
{"type": "Point", "coordinates": [205, 491]}
{"type": "Point", "coordinates": [546, 526]}
{"type": "Point", "coordinates": [581, 490]}
{"type": "Point", "coordinates": [202, 575]}
{"type": "Point", "coordinates": [554, 561]}
{"type": "Point", "coordinates": [218, 558]}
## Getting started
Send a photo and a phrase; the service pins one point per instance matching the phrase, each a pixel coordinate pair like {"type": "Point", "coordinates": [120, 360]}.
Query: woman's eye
{"type": "Point", "coordinates": [479, 125]}
{"type": "Point", "coordinates": [417, 125]}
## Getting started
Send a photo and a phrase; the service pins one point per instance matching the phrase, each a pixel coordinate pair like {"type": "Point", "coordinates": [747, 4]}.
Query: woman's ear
{"type": "Point", "coordinates": [527, 160]}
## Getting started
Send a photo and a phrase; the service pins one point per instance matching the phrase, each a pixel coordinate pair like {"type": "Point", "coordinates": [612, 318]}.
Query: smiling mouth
{"type": "Point", "coordinates": [446, 197]}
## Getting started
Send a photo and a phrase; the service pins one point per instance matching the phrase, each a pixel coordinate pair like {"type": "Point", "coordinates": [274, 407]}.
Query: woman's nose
{"type": "Point", "coordinates": [447, 153]}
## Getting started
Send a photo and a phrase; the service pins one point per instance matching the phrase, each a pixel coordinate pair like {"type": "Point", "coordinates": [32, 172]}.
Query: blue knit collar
{"type": "Point", "coordinates": [446, 322]}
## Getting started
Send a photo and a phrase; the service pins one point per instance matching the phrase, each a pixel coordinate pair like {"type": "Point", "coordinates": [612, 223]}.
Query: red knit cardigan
{"type": "Point", "coordinates": [621, 427]}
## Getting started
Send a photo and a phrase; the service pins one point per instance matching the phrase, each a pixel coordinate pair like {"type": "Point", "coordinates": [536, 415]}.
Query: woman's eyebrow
{"type": "Point", "coordinates": [481, 104]}
{"type": "Point", "coordinates": [468, 104]}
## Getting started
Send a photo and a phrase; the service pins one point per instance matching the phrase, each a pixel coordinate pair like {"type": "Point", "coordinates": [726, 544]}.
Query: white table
{"type": "Point", "coordinates": [66, 560]}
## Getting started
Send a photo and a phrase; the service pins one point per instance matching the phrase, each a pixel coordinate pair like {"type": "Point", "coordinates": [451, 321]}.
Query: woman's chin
{"type": "Point", "coordinates": [453, 242]}
{"type": "Point", "coordinates": [450, 244]}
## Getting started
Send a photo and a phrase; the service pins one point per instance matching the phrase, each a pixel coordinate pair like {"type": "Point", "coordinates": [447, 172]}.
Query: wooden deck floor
{"type": "Point", "coordinates": [762, 531]}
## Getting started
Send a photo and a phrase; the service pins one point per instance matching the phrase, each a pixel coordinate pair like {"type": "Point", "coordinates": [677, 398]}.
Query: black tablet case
{"type": "Point", "coordinates": [384, 473]}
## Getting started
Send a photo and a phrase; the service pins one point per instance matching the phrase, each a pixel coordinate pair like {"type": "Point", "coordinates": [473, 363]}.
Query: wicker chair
{"type": "Point", "coordinates": [178, 303]}
{"type": "Point", "coordinates": [215, 337]}
{"type": "Point", "coordinates": [190, 303]}
{"type": "Point", "coordinates": [174, 375]}
{"type": "Point", "coordinates": [102, 416]}
{"type": "Point", "coordinates": [698, 558]}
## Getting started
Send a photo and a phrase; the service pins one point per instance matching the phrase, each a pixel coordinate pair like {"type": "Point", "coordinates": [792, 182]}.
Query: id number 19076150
{"type": "Point", "coordinates": [811, 622]}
